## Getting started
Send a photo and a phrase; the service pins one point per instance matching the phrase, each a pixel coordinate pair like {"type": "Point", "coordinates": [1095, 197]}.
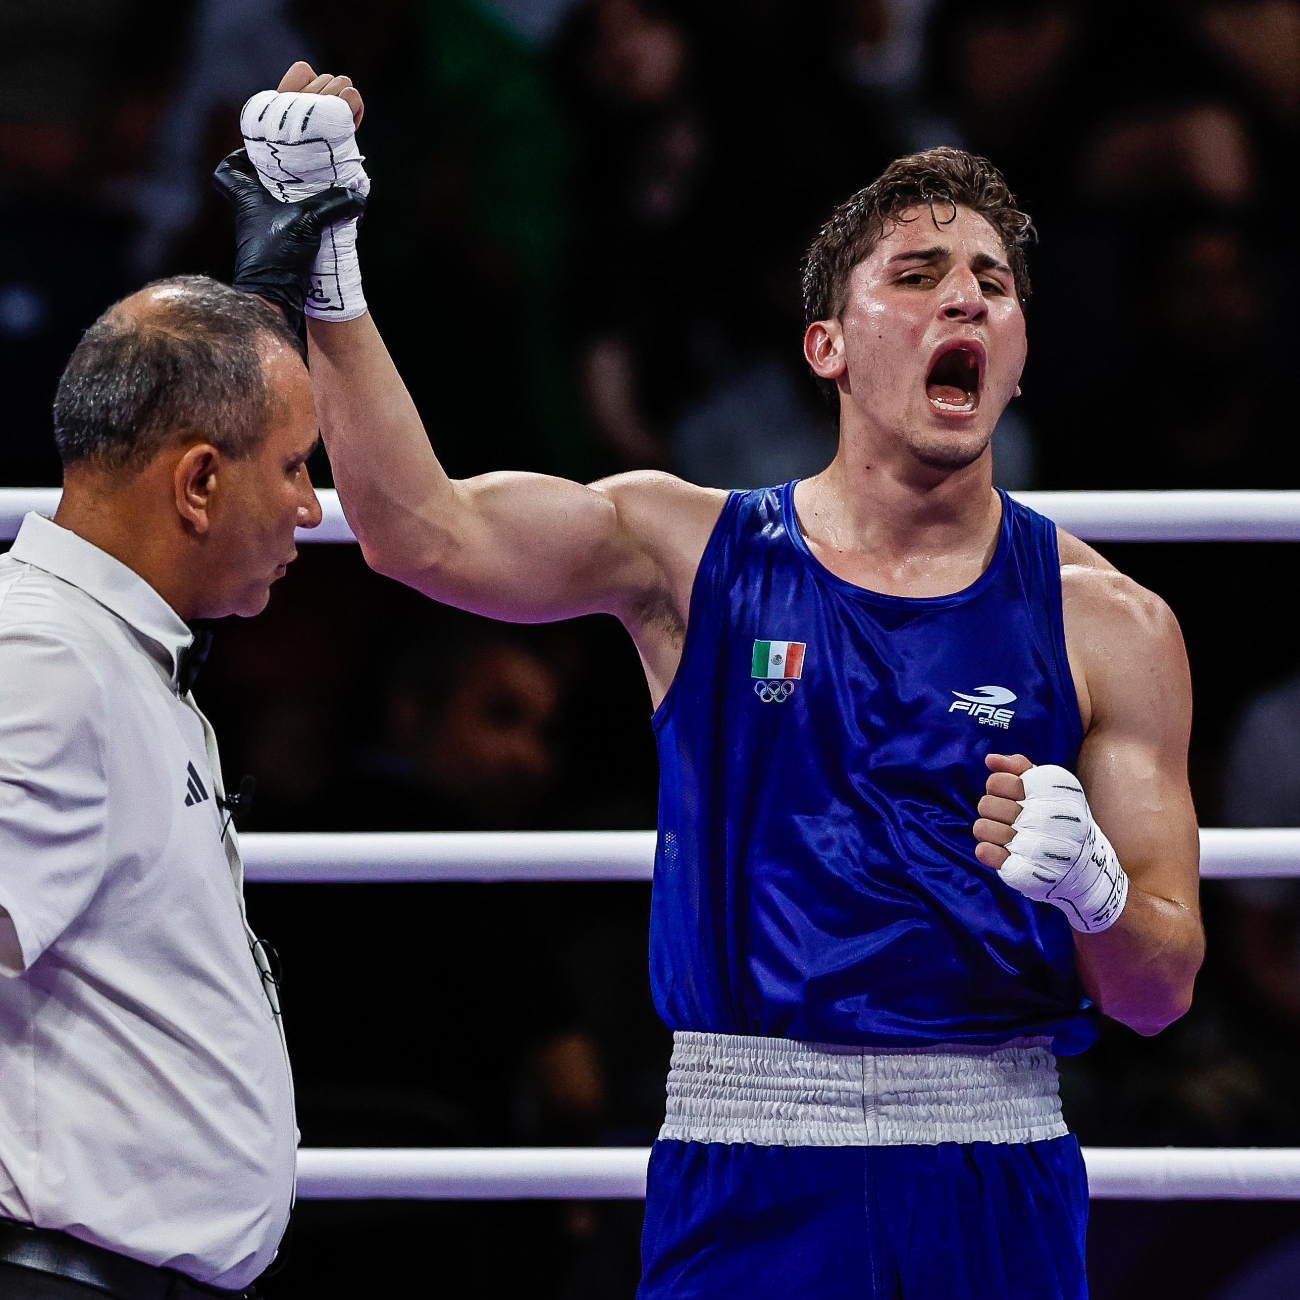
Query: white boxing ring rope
{"type": "Point", "coordinates": [493, 856]}
{"type": "Point", "coordinates": [619, 1173]}
{"type": "Point", "coordinates": [1123, 1173]}
{"type": "Point", "coordinates": [1244, 516]}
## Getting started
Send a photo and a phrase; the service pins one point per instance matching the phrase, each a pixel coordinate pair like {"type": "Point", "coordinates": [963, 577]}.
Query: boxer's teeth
{"type": "Point", "coordinates": [949, 395]}
{"type": "Point", "coordinates": [955, 378]}
{"type": "Point", "coordinates": [966, 402]}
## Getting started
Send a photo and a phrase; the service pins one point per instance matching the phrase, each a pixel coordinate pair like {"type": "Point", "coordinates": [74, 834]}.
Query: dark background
{"type": "Point", "coordinates": [617, 194]}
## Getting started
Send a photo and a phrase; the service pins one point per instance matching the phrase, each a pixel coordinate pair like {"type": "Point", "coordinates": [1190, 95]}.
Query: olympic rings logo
{"type": "Point", "coordinates": [773, 692]}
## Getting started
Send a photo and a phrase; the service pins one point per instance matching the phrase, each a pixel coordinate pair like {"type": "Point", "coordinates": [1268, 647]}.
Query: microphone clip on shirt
{"type": "Point", "coordinates": [238, 804]}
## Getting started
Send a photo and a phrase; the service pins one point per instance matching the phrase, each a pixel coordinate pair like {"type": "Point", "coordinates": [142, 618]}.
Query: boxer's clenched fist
{"type": "Point", "coordinates": [301, 76]}
{"type": "Point", "coordinates": [1036, 829]}
{"type": "Point", "coordinates": [302, 140]}
{"type": "Point", "coordinates": [302, 143]}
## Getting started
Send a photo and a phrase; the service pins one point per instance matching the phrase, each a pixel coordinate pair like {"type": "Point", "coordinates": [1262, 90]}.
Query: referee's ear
{"type": "Point", "coordinates": [195, 483]}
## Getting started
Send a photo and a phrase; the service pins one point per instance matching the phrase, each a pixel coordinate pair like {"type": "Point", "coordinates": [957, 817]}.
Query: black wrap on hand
{"type": "Point", "coordinates": [276, 243]}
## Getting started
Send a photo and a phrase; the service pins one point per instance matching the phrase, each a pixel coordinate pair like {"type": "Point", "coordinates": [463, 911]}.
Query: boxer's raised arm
{"type": "Point", "coordinates": [526, 547]}
{"type": "Point", "coordinates": [516, 546]}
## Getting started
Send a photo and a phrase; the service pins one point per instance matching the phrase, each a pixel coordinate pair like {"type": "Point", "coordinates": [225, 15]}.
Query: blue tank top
{"type": "Point", "coordinates": [821, 754]}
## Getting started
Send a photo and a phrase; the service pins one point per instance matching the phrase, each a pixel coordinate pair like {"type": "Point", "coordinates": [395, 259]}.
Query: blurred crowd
{"type": "Point", "coordinates": [630, 184]}
{"type": "Point", "coordinates": [583, 248]}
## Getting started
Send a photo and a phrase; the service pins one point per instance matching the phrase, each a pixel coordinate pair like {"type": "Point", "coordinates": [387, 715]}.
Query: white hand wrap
{"type": "Point", "coordinates": [303, 144]}
{"type": "Point", "coordinates": [1060, 856]}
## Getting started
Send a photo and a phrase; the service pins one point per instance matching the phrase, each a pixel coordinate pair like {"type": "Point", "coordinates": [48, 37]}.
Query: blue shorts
{"type": "Point", "coordinates": [985, 1221]}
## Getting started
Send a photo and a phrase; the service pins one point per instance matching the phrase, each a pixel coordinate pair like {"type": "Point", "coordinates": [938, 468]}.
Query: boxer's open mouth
{"type": "Point", "coordinates": [956, 374]}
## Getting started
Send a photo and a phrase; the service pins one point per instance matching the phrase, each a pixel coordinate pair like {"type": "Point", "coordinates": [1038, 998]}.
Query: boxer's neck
{"type": "Point", "coordinates": [892, 528]}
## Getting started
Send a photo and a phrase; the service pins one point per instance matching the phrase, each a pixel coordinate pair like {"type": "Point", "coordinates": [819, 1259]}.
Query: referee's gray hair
{"type": "Point", "coordinates": [188, 366]}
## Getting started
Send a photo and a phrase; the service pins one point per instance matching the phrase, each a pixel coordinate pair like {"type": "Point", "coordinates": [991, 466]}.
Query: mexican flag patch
{"type": "Point", "coordinates": [778, 659]}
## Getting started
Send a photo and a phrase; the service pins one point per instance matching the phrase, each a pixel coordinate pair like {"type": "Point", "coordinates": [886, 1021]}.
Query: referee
{"type": "Point", "coordinates": [147, 1137]}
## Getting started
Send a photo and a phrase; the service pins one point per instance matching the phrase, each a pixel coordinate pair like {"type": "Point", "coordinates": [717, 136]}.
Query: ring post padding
{"type": "Point", "coordinates": [619, 1173]}
{"type": "Point", "coordinates": [1195, 516]}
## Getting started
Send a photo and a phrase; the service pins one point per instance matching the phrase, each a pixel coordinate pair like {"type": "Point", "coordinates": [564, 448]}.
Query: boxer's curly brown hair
{"type": "Point", "coordinates": [941, 180]}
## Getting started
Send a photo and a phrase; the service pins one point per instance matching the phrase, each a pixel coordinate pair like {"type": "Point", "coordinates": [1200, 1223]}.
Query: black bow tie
{"type": "Point", "coordinates": [191, 660]}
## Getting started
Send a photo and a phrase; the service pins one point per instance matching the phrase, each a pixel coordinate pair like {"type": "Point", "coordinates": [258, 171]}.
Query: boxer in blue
{"type": "Point", "coordinates": [852, 675]}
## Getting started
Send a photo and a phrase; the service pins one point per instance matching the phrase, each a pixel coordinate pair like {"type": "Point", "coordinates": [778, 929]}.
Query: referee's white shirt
{"type": "Point", "coordinates": [145, 1097]}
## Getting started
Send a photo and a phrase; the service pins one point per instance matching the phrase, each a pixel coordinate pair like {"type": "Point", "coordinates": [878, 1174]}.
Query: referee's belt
{"type": "Point", "coordinates": [45, 1251]}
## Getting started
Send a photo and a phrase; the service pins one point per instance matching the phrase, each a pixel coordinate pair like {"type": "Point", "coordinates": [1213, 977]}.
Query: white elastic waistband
{"type": "Point", "coordinates": [776, 1092]}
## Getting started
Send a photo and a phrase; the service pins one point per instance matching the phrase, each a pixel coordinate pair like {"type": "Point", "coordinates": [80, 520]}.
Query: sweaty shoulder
{"type": "Point", "coordinates": [660, 507]}
{"type": "Point", "coordinates": [670, 522]}
{"type": "Point", "coordinates": [1118, 634]}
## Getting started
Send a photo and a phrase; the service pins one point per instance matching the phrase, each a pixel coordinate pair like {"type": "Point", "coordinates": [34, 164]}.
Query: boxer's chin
{"type": "Point", "coordinates": [951, 451]}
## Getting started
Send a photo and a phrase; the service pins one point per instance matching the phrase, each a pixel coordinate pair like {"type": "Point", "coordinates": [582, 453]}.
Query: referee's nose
{"type": "Point", "coordinates": [309, 511]}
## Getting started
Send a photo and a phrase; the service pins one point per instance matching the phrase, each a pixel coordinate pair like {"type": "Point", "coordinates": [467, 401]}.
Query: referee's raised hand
{"type": "Point", "coordinates": [276, 243]}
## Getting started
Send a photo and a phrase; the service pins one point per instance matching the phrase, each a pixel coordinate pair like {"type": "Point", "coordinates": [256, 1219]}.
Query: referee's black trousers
{"type": "Point", "coordinates": [43, 1264]}
{"type": "Point", "coordinates": [27, 1284]}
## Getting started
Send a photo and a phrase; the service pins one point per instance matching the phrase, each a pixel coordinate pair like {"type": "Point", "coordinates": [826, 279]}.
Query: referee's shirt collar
{"type": "Point", "coordinates": [122, 591]}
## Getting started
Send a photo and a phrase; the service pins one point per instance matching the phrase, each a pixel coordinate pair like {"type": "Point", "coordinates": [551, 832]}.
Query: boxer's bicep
{"type": "Point", "coordinates": [532, 548]}
{"type": "Point", "coordinates": [1133, 762]}
{"type": "Point", "coordinates": [529, 547]}
{"type": "Point", "coordinates": [517, 546]}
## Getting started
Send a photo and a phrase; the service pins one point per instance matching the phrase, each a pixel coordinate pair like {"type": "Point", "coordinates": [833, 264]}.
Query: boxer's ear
{"type": "Point", "coordinates": [823, 349]}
